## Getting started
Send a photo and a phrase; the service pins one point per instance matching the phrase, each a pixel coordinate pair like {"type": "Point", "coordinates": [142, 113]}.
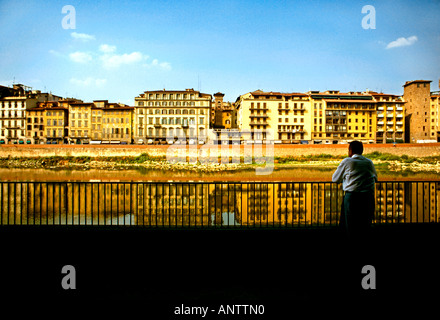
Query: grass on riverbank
{"type": "Point", "coordinates": [146, 159]}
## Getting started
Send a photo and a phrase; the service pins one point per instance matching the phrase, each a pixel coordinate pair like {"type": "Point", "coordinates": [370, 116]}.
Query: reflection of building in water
{"type": "Point", "coordinates": [166, 204]}
{"type": "Point", "coordinates": [224, 208]}
{"type": "Point", "coordinates": [291, 204]}
{"type": "Point", "coordinates": [209, 204]}
{"type": "Point", "coordinates": [389, 201]}
{"type": "Point", "coordinates": [422, 201]}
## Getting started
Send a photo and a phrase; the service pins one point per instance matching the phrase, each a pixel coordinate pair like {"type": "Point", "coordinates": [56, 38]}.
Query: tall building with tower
{"type": "Point", "coordinates": [418, 115]}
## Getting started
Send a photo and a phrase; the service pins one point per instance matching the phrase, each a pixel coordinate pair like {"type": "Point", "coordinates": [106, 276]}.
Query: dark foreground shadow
{"type": "Point", "coordinates": [284, 270]}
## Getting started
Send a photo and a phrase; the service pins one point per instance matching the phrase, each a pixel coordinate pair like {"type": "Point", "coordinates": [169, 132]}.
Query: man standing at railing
{"type": "Point", "coordinates": [358, 177]}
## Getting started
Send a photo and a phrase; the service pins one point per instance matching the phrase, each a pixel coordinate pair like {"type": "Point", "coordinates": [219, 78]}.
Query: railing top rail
{"type": "Point", "coordinates": [209, 182]}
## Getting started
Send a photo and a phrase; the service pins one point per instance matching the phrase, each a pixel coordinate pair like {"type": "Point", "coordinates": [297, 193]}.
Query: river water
{"type": "Point", "coordinates": [298, 174]}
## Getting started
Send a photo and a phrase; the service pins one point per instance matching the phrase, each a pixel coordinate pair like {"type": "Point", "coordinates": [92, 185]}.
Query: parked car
{"type": "Point", "coordinates": [140, 141]}
{"type": "Point", "coordinates": [150, 141]}
{"type": "Point", "coordinates": [2, 141]}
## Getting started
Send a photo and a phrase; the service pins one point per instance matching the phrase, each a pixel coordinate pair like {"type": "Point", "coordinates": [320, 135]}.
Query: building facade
{"type": "Point", "coordinates": [343, 117]}
{"type": "Point", "coordinates": [390, 118]}
{"type": "Point", "coordinates": [182, 116]}
{"type": "Point", "coordinates": [274, 116]}
{"type": "Point", "coordinates": [14, 103]}
{"type": "Point", "coordinates": [418, 112]}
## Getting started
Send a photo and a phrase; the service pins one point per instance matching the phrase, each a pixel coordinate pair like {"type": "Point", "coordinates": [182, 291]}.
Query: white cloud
{"type": "Point", "coordinates": [89, 81]}
{"type": "Point", "coordinates": [402, 42]}
{"type": "Point", "coordinates": [107, 48]}
{"type": "Point", "coordinates": [80, 57]}
{"type": "Point", "coordinates": [115, 60]}
{"type": "Point", "coordinates": [82, 36]}
{"type": "Point", "coordinates": [157, 64]}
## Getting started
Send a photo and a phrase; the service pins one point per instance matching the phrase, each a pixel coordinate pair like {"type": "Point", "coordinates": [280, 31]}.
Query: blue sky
{"type": "Point", "coordinates": [120, 49]}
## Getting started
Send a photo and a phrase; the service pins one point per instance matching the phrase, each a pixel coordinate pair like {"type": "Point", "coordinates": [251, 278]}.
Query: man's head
{"type": "Point", "coordinates": [355, 147]}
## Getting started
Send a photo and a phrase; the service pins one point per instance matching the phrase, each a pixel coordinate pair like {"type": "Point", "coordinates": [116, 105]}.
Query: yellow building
{"type": "Point", "coordinates": [35, 125]}
{"type": "Point", "coordinates": [182, 116]}
{"type": "Point", "coordinates": [343, 117]}
{"type": "Point", "coordinates": [56, 121]}
{"type": "Point", "coordinates": [435, 116]}
{"type": "Point", "coordinates": [80, 120]}
{"type": "Point", "coordinates": [116, 123]}
{"type": "Point", "coordinates": [390, 118]}
{"type": "Point", "coordinates": [274, 116]}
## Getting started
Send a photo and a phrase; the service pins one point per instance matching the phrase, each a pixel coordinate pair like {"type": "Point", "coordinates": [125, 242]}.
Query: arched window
{"type": "Point", "coordinates": [185, 111]}
{"type": "Point", "coordinates": [192, 111]}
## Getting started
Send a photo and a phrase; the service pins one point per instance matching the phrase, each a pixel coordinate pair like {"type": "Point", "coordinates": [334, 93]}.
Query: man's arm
{"type": "Point", "coordinates": [338, 175]}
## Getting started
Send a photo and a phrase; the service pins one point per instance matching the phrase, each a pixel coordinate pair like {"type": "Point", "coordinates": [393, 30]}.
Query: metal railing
{"type": "Point", "coordinates": [207, 204]}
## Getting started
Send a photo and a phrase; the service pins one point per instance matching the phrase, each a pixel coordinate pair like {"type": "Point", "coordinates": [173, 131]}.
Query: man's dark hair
{"type": "Point", "coordinates": [356, 147]}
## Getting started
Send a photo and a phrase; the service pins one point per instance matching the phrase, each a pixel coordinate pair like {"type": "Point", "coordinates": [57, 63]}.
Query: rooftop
{"type": "Point", "coordinates": [416, 81]}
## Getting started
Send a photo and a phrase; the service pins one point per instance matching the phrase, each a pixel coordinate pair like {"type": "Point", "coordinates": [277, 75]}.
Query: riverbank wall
{"type": "Point", "coordinates": [412, 150]}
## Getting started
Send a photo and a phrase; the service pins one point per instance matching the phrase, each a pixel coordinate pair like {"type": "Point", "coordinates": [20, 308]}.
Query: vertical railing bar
{"type": "Point", "coordinates": [1, 203]}
{"type": "Point", "coordinates": [228, 203]}
{"type": "Point", "coordinates": [91, 200]}
{"type": "Point", "coordinates": [59, 203]}
{"type": "Point", "coordinates": [98, 201]}
{"type": "Point", "coordinates": [175, 204]}
{"type": "Point", "coordinates": [124, 189]}
{"type": "Point", "coordinates": [21, 203]}
{"type": "Point", "coordinates": [15, 202]}
{"type": "Point", "coordinates": [7, 203]}
{"type": "Point", "coordinates": [156, 211]}
{"type": "Point", "coordinates": [273, 204]}
{"type": "Point", "coordinates": [41, 201]}
{"type": "Point", "coordinates": [111, 203]}
{"type": "Point", "coordinates": [163, 203]}
{"type": "Point", "coordinates": [105, 204]}
{"type": "Point", "coordinates": [53, 203]}
{"type": "Point", "coordinates": [150, 205]}
{"type": "Point", "coordinates": [423, 201]}
{"type": "Point", "coordinates": [417, 202]}
{"type": "Point", "coordinates": [188, 203]}
{"type": "Point", "coordinates": [27, 200]}
{"type": "Point", "coordinates": [169, 204]}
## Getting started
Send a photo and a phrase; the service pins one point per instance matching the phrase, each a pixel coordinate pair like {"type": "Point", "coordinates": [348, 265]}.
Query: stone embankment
{"type": "Point", "coordinates": [402, 157]}
{"type": "Point", "coordinates": [412, 150]}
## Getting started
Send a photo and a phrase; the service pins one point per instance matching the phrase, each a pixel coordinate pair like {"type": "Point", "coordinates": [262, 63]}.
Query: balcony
{"type": "Point", "coordinates": [380, 108]}
{"type": "Point", "coordinates": [380, 123]}
{"type": "Point", "coordinates": [399, 108]}
{"type": "Point", "coordinates": [390, 108]}
{"type": "Point", "coordinates": [258, 108]}
{"type": "Point", "coordinates": [399, 115]}
{"type": "Point", "coordinates": [258, 116]}
{"type": "Point", "coordinates": [390, 123]}
{"type": "Point", "coordinates": [158, 125]}
{"type": "Point", "coordinates": [380, 115]}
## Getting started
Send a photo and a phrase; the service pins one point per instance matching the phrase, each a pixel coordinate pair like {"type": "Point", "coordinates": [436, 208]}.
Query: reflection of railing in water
{"type": "Point", "coordinates": [206, 204]}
